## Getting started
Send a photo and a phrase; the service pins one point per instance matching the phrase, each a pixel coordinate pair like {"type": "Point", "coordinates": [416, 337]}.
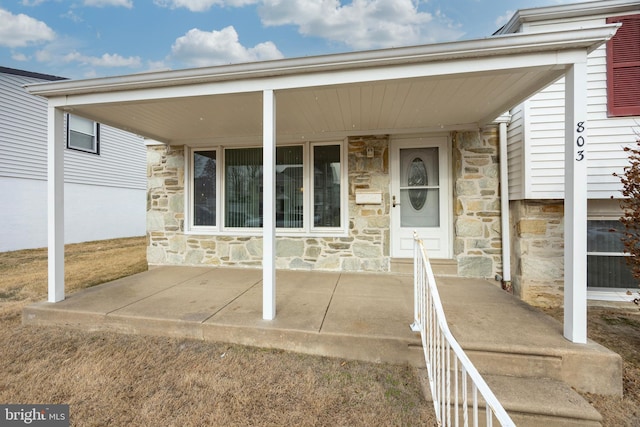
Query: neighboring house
{"type": "Point", "coordinates": [363, 150]}
{"type": "Point", "coordinates": [105, 172]}
{"type": "Point", "coordinates": [536, 155]}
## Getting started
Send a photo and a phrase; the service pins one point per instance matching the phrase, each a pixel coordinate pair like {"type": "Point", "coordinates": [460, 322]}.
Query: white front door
{"type": "Point", "coordinates": [420, 199]}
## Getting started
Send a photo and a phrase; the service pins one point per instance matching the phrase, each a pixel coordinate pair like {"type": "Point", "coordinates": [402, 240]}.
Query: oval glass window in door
{"type": "Point", "coordinates": [417, 178]}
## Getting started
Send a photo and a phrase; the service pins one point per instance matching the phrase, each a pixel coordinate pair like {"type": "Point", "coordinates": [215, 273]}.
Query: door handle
{"type": "Point", "coordinates": [393, 202]}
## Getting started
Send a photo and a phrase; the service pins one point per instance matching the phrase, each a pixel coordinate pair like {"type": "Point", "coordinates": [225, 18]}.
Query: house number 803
{"type": "Point", "coordinates": [580, 141]}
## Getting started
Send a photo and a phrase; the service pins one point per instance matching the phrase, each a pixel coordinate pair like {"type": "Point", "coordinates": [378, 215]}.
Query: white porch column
{"type": "Point", "coordinates": [55, 203]}
{"type": "Point", "coordinates": [575, 204]}
{"type": "Point", "coordinates": [269, 205]}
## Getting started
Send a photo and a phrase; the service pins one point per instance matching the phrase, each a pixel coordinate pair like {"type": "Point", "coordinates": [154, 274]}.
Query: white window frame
{"type": "Point", "coordinates": [609, 294]}
{"type": "Point", "coordinates": [189, 210]}
{"type": "Point", "coordinates": [95, 137]}
{"type": "Point", "coordinates": [308, 229]}
{"type": "Point", "coordinates": [344, 194]}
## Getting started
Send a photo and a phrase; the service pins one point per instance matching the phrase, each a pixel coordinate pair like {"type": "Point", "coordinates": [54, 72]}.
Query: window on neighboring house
{"type": "Point", "coordinates": [240, 185]}
{"type": "Point", "coordinates": [83, 134]}
{"type": "Point", "coordinates": [623, 67]}
{"type": "Point", "coordinates": [606, 263]}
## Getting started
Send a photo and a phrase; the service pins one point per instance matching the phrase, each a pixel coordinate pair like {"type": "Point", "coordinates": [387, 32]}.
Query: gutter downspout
{"type": "Point", "coordinates": [502, 121]}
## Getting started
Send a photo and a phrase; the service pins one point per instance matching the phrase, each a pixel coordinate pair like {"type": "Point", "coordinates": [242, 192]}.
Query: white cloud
{"type": "Point", "coordinates": [503, 19]}
{"type": "Point", "coordinates": [72, 16]}
{"type": "Point", "coordinates": [201, 5]}
{"type": "Point", "coordinates": [43, 55]}
{"type": "Point", "coordinates": [19, 57]}
{"type": "Point", "coordinates": [106, 60]}
{"type": "Point", "coordinates": [22, 30]}
{"type": "Point", "coordinates": [361, 24]}
{"type": "Point", "coordinates": [64, 53]}
{"type": "Point", "coordinates": [32, 2]}
{"type": "Point", "coordinates": [157, 66]}
{"type": "Point", "coordinates": [201, 48]}
{"type": "Point", "coordinates": [105, 3]}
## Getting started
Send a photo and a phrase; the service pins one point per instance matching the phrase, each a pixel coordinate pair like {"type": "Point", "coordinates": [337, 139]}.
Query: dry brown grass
{"type": "Point", "coordinates": [23, 274]}
{"type": "Point", "coordinates": [112, 379]}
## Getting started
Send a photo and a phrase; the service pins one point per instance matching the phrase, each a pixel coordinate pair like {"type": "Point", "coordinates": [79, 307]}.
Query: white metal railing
{"type": "Point", "coordinates": [448, 379]}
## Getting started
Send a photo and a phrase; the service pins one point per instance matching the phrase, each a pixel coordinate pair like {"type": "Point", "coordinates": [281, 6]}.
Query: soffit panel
{"type": "Point", "coordinates": [385, 106]}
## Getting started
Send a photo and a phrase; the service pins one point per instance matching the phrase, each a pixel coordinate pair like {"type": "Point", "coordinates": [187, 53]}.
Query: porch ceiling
{"type": "Point", "coordinates": [424, 88]}
{"type": "Point", "coordinates": [391, 106]}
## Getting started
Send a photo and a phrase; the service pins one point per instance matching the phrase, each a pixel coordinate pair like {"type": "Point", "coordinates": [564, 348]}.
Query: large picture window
{"type": "Point", "coordinates": [83, 134]}
{"type": "Point", "coordinates": [227, 192]}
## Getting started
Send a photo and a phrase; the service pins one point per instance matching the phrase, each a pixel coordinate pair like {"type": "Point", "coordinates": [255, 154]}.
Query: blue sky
{"type": "Point", "coordinates": [96, 38]}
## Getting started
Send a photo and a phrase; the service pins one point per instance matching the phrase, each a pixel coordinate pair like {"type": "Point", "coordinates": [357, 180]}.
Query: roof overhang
{"type": "Point", "coordinates": [404, 90]}
{"type": "Point", "coordinates": [568, 11]}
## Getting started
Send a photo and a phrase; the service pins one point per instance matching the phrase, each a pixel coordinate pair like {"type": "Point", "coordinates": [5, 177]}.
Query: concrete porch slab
{"type": "Point", "coordinates": [349, 315]}
{"type": "Point", "coordinates": [358, 316]}
{"type": "Point", "coordinates": [302, 299]}
{"type": "Point", "coordinates": [104, 299]}
{"type": "Point", "coordinates": [195, 299]}
{"type": "Point", "coordinates": [371, 305]}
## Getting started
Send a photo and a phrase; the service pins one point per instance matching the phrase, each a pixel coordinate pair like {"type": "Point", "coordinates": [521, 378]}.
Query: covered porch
{"type": "Point", "coordinates": [423, 90]}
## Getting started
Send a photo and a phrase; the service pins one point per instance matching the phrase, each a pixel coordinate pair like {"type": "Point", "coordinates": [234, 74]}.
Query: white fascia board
{"type": "Point", "coordinates": [552, 60]}
{"type": "Point", "coordinates": [567, 11]}
{"type": "Point", "coordinates": [488, 54]}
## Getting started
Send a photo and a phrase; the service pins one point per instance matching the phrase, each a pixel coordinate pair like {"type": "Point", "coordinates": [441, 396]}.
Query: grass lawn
{"type": "Point", "coordinates": [118, 380]}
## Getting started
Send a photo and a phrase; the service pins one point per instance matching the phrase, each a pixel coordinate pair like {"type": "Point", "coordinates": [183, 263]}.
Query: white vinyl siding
{"type": "Point", "coordinates": [105, 195]}
{"type": "Point", "coordinates": [515, 153]}
{"type": "Point", "coordinates": [121, 163]}
{"type": "Point", "coordinates": [542, 148]}
{"type": "Point", "coordinates": [23, 128]}
{"type": "Point", "coordinates": [545, 143]}
{"type": "Point", "coordinates": [23, 144]}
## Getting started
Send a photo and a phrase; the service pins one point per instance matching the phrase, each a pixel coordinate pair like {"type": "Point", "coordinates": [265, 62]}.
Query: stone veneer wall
{"type": "Point", "coordinates": [476, 171]}
{"type": "Point", "coordinates": [366, 248]}
{"type": "Point", "coordinates": [537, 246]}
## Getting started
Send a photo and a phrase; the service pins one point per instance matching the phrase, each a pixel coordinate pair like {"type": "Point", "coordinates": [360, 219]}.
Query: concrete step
{"type": "Point", "coordinates": [533, 402]}
{"type": "Point", "coordinates": [589, 368]}
{"type": "Point", "coordinates": [441, 267]}
{"type": "Point", "coordinates": [504, 336]}
{"type": "Point", "coordinates": [529, 364]}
